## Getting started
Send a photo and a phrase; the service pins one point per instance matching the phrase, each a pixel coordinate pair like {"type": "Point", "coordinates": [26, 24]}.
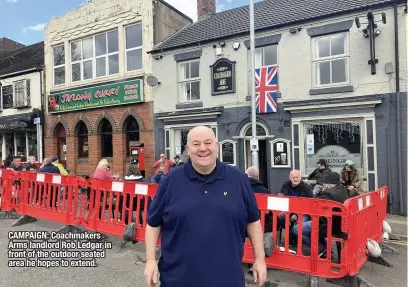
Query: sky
{"type": "Point", "coordinates": [24, 20]}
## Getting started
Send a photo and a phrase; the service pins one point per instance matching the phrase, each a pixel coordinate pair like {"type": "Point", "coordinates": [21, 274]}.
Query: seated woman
{"type": "Point", "coordinates": [134, 173]}
{"type": "Point", "coordinates": [351, 179]}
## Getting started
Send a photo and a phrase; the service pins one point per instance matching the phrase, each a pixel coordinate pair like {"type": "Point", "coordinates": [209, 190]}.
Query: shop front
{"type": "Point", "coordinates": [19, 136]}
{"type": "Point", "coordinates": [109, 120]}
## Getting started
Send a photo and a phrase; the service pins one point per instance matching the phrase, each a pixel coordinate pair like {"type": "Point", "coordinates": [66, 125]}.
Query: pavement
{"type": "Point", "coordinates": [124, 266]}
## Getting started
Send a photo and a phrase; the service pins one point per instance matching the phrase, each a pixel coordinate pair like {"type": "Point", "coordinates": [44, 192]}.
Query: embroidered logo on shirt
{"type": "Point", "coordinates": [225, 193]}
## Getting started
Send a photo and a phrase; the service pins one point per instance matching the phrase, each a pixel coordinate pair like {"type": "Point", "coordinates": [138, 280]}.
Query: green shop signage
{"type": "Point", "coordinates": [120, 93]}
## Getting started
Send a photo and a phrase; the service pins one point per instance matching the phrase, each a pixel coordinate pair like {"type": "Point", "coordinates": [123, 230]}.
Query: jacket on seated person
{"type": "Point", "coordinates": [49, 168]}
{"type": "Point", "coordinates": [302, 189]}
{"type": "Point", "coordinates": [335, 193]}
{"type": "Point", "coordinates": [257, 186]}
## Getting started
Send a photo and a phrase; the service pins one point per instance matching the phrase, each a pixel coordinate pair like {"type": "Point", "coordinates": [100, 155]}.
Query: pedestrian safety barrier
{"type": "Point", "coordinates": [308, 247]}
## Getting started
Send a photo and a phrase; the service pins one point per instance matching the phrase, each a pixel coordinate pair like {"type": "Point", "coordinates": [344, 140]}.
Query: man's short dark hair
{"type": "Point", "coordinates": [332, 178]}
{"type": "Point", "coordinates": [16, 157]}
{"type": "Point", "coordinates": [322, 162]}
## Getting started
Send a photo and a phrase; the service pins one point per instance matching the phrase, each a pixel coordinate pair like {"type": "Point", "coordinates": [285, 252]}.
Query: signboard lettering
{"type": "Point", "coordinates": [120, 93]}
{"type": "Point", "coordinates": [223, 77]}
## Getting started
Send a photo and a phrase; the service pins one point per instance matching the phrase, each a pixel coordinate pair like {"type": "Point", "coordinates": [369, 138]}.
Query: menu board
{"type": "Point", "coordinates": [227, 151]}
{"type": "Point", "coordinates": [280, 152]}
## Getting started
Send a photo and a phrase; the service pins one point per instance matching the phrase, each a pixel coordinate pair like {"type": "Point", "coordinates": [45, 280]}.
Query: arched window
{"type": "Point", "coordinates": [260, 131]}
{"type": "Point", "coordinates": [106, 138]}
{"type": "Point", "coordinates": [82, 136]}
{"type": "Point", "coordinates": [132, 133]}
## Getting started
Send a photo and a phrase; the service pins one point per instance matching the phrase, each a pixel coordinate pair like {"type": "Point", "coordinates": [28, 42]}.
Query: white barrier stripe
{"type": "Point", "coordinates": [368, 201]}
{"type": "Point", "coordinates": [40, 177]}
{"type": "Point", "coordinates": [56, 179]}
{"type": "Point", "coordinates": [117, 186]}
{"type": "Point", "coordinates": [360, 204]}
{"type": "Point", "coordinates": [277, 203]}
{"type": "Point", "coordinates": [141, 189]}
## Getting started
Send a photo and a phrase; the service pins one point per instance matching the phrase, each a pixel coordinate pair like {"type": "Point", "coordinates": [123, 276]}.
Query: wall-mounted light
{"type": "Point", "coordinates": [365, 33]}
{"type": "Point", "coordinates": [236, 45]}
{"type": "Point", "coordinates": [222, 43]}
{"type": "Point", "coordinates": [377, 33]}
{"type": "Point", "coordinates": [295, 30]}
{"type": "Point", "coordinates": [157, 57]}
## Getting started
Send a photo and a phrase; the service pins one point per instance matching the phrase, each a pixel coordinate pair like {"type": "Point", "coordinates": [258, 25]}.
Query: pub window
{"type": "Point", "coordinates": [228, 153]}
{"type": "Point", "coordinates": [32, 144]}
{"type": "Point", "coordinates": [7, 97]}
{"type": "Point", "coordinates": [82, 140]}
{"type": "Point", "coordinates": [265, 56]}
{"type": "Point", "coordinates": [134, 47]}
{"type": "Point", "coordinates": [132, 133]}
{"type": "Point", "coordinates": [189, 81]}
{"type": "Point", "coordinates": [106, 138]}
{"type": "Point", "coordinates": [335, 142]}
{"type": "Point", "coordinates": [21, 145]}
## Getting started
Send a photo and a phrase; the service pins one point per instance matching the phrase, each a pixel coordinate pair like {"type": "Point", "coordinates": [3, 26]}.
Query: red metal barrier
{"type": "Point", "coordinates": [366, 215]}
{"type": "Point", "coordinates": [111, 206]}
{"type": "Point", "coordinates": [8, 187]}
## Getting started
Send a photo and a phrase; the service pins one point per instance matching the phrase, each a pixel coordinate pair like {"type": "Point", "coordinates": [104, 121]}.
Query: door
{"type": "Point", "coordinates": [61, 145]}
{"type": "Point", "coordinates": [262, 160]}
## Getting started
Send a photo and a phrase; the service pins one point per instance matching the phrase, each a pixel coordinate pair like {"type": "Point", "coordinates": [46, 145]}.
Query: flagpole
{"type": "Point", "coordinates": [253, 109]}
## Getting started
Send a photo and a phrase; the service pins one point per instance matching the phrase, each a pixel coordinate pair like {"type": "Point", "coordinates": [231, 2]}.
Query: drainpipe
{"type": "Point", "coordinates": [397, 90]}
{"type": "Point", "coordinates": [40, 70]}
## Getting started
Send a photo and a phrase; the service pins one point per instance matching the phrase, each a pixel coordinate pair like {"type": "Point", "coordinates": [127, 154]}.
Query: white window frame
{"type": "Point", "coordinates": [58, 66]}
{"type": "Point", "coordinates": [288, 153]}
{"type": "Point", "coordinates": [132, 49]}
{"type": "Point", "coordinates": [1, 94]}
{"type": "Point", "coordinates": [316, 60]}
{"type": "Point", "coordinates": [26, 101]}
{"type": "Point", "coordinates": [262, 49]}
{"type": "Point", "coordinates": [234, 150]}
{"type": "Point", "coordinates": [189, 80]}
{"type": "Point", "coordinates": [93, 58]}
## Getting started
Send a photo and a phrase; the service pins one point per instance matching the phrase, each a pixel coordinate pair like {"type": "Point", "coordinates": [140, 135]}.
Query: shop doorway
{"type": "Point", "coordinates": [261, 134]}
{"type": "Point", "coordinates": [61, 144]}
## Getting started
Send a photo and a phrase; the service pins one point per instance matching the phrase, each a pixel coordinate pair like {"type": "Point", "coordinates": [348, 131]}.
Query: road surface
{"type": "Point", "coordinates": [124, 267]}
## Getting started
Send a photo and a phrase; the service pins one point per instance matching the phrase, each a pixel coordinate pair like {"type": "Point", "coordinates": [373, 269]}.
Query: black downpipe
{"type": "Point", "coordinates": [397, 90]}
{"type": "Point", "coordinates": [389, 174]}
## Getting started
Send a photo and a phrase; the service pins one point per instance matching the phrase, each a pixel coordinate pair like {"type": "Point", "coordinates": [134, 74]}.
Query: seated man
{"type": "Point", "coordinates": [332, 190]}
{"type": "Point", "coordinates": [295, 187]}
{"type": "Point", "coordinates": [319, 175]}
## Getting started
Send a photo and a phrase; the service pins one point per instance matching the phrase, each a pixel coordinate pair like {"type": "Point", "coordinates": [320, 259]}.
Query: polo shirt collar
{"type": "Point", "coordinates": [219, 172]}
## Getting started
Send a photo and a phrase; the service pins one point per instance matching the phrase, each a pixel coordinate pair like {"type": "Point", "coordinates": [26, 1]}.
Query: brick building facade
{"type": "Point", "coordinates": [98, 102]}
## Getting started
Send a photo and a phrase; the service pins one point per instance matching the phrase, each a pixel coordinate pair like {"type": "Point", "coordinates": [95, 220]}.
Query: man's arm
{"type": "Point", "coordinates": [255, 234]}
{"type": "Point", "coordinates": [151, 237]}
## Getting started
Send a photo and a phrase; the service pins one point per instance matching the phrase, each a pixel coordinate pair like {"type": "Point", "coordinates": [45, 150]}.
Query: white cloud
{"type": "Point", "coordinates": [229, 1]}
{"type": "Point", "coordinates": [12, 1]}
{"type": "Point", "coordinates": [38, 27]}
{"type": "Point", "coordinates": [187, 7]}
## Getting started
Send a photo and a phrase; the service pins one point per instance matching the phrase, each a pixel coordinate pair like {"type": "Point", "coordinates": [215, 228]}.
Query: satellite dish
{"type": "Point", "coordinates": [152, 81]}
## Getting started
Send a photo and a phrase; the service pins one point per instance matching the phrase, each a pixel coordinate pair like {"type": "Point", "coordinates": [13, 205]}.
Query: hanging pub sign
{"type": "Point", "coordinates": [222, 77]}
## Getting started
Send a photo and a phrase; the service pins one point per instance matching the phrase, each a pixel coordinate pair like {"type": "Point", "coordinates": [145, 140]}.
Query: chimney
{"type": "Point", "coordinates": [205, 8]}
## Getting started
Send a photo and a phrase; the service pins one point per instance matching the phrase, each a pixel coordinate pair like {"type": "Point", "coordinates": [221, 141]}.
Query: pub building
{"type": "Point", "coordinates": [99, 105]}
{"type": "Point", "coordinates": [318, 90]}
{"type": "Point", "coordinates": [21, 88]}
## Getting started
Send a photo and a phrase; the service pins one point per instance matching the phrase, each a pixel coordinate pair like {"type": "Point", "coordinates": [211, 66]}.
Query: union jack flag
{"type": "Point", "coordinates": [266, 89]}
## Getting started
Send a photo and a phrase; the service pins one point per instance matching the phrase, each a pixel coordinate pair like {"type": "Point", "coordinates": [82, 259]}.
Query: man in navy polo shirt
{"type": "Point", "coordinates": [202, 210]}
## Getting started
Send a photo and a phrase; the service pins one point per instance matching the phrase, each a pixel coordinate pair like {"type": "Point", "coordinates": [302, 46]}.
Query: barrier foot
{"type": "Point", "coordinates": [381, 260]}
{"type": "Point", "coordinates": [350, 281]}
{"type": "Point", "coordinates": [387, 247]}
{"type": "Point", "coordinates": [8, 215]}
{"type": "Point", "coordinates": [24, 220]}
{"type": "Point", "coordinates": [313, 281]}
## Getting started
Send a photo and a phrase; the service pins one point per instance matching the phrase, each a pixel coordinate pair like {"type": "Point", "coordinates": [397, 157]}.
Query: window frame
{"type": "Point", "coordinates": [189, 80]}
{"type": "Point", "coordinates": [132, 49]}
{"type": "Point", "coordinates": [94, 57]}
{"type": "Point", "coordinates": [263, 53]}
{"type": "Point", "coordinates": [316, 60]}
{"type": "Point", "coordinates": [81, 138]}
{"type": "Point", "coordinates": [58, 66]}
{"type": "Point", "coordinates": [26, 85]}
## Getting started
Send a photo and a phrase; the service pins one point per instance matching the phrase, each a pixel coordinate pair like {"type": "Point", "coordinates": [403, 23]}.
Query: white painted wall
{"type": "Point", "coordinates": [295, 66]}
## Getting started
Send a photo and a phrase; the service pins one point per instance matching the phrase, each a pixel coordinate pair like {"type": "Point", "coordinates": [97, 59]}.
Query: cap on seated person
{"type": "Point", "coordinates": [54, 159]}
{"type": "Point", "coordinates": [176, 157]}
{"type": "Point", "coordinates": [332, 178]}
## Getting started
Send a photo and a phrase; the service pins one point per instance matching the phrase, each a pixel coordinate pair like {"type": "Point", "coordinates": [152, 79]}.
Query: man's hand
{"type": "Point", "coordinates": [151, 273]}
{"type": "Point", "coordinates": [350, 188]}
{"type": "Point", "coordinates": [259, 271]}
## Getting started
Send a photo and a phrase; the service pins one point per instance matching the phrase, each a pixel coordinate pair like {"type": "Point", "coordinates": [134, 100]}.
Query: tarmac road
{"type": "Point", "coordinates": [124, 267]}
